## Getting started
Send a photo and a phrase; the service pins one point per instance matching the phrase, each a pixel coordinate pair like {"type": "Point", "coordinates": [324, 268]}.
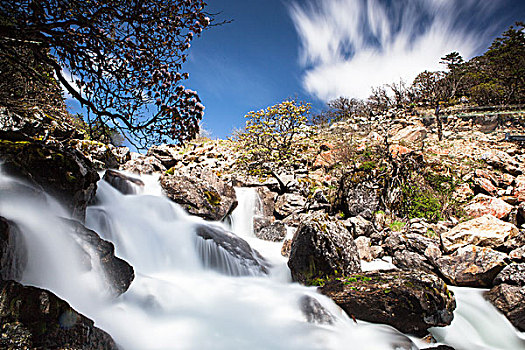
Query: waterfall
{"type": "Point", "coordinates": [196, 286]}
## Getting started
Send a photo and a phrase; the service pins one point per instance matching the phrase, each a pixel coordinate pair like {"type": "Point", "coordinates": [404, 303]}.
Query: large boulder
{"type": "Point", "coordinates": [314, 311]}
{"type": "Point", "coordinates": [227, 253]}
{"type": "Point", "coordinates": [510, 300]}
{"type": "Point", "coordinates": [13, 251]}
{"type": "Point", "coordinates": [202, 194]}
{"type": "Point", "coordinates": [64, 173]}
{"type": "Point", "coordinates": [168, 155]}
{"type": "Point", "coordinates": [411, 301]}
{"type": "Point", "coordinates": [485, 231]}
{"type": "Point", "coordinates": [274, 232]}
{"type": "Point", "coordinates": [472, 266]}
{"type": "Point", "coordinates": [322, 247]}
{"type": "Point", "coordinates": [123, 183]}
{"type": "Point", "coordinates": [503, 161]}
{"type": "Point", "coordinates": [412, 133]}
{"type": "Point", "coordinates": [362, 197]}
{"type": "Point", "coordinates": [119, 273]}
{"type": "Point", "coordinates": [33, 318]}
{"type": "Point", "coordinates": [412, 251]}
{"type": "Point", "coordinates": [483, 205]}
{"type": "Point", "coordinates": [141, 164]}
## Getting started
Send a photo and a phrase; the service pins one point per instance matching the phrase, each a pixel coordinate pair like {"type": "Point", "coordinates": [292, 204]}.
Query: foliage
{"type": "Point", "coordinates": [397, 226]}
{"type": "Point", "coordinates": [271, 134]}
{"type": "Point", "coordinates": [124, 58]}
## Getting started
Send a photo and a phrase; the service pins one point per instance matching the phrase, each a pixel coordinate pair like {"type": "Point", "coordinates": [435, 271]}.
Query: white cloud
{"type": "Point", "coordinates": [349, 46]}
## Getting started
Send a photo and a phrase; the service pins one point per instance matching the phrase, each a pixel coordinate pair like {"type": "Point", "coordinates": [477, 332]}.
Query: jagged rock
{"type": "Point", "coordinates": [64, 173]}
{"type": "Point", "coordinates": [202, 194]}
{"type": "Point", "coordinates": [168, 155]}
{"type": "Point", "coordinates": [123, 183]}
{"type": "Point", "coordinates": [98, 153]}
{"type": "Point", "coordinates": [411, 133]}
{"type": "Point", "coordinates": [503, 161]}
{"type": "Point", "coordinates": [472, 266]}
{"type": "Point", "coordinates": [510, 300]}
{"type": "Point", "coordinates": [359, 226]}
{"type": "Point", "coordinates": [482, 185]}
{"type": "Point", "coordinates": [143, 165]}
{"type": "Point", "coordinates": [513, 274]}
{"type": "Point", "coordinates": [485, 231]}
{"type": "Point", "coordinates": [33, 318]}
{"type": "Point", "coordinates": [364, 248]}
{"type": "Point", "coordinates": [322, 247]}
{"type": "Point", "coordinates": [122, 154]}
{"type": "Point", "coordinates": [119, 273]}
{"type": "Point", "coordinates": [289, 203]}
{"type": "Point", "coordinates": [267, 201]}
{"type": "Point", "coordinates": [326, 159]}
{"type": "Point", "coordinates": [34, 125]}
{"type": "Point", "coordinates": [13, 251]}
{"type": "Point", "coordinates": [519, 189]}
{"type": "Point", "coordinates": [314, 311]}
{"type": "Point", "coordinates": [482, 205]}
{"type": "Point", "coordinates": [518, 254]}
{"type": "Point", "coordinates": [242, 259]}
{"type": "Point", "coordinates": [440, 347]}
{"type": "Point", "coordinates": [412, 251]}
{"type": "Point", "coordinates": [275, 232]}
{"type": "Point", "coordinates": [362, 198]}
{"type": "Point", "coordinates": [411, 301]}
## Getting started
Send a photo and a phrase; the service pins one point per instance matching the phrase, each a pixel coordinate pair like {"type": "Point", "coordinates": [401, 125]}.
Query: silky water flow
{"type": "Point", "coordinates": [198, 286]}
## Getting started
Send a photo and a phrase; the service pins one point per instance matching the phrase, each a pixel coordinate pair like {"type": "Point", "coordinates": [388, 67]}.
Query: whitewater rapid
{"type": "Point", "coordinates": [177, 301]}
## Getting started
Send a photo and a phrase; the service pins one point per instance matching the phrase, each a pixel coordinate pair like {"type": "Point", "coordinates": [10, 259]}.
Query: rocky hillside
{"type": "Point", "coordinates": [449, 212]}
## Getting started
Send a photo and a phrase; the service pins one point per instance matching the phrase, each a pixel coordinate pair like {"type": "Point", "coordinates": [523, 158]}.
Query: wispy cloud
{"type": "Point", "coordinates": [349, 46]}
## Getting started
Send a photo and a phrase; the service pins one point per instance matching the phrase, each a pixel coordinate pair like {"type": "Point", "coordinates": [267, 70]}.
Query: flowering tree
{"type": "Point", "coordinates": [124, 58]}
{"type": "Point", "coordinates": [270, 133]}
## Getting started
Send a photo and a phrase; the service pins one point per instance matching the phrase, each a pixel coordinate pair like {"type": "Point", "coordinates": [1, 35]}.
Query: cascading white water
{"type": "Point", "coordinates": [177, 301]}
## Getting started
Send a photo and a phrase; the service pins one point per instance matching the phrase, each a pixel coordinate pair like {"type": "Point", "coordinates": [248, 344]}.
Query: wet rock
{"type": "Point", "coordinates": [411, 301]}
{"type": "Point", "coordinates": [38, 319]}
{"type": "Point", "coordinates": [289, 203]}
{"type": "Point", "coordinates": [123, 183]}
{"type": "Point", "coordinates": [13, 251]}
{"type": "Point", "coordinates": [513, 274]}
{"type": "Point", "coordinates": [203, 194]}
{"type": "Point", "coordinates": [472, 266]}
{"type": "Point", "coordinates": [510, 300]}
{"type": "Point", "coordinates": [267, 201]}
{"type": "Point", "coordinates": [228, 253]}
{"type": "Point", "coordinates": [275, 232]}
{"type": "Point", "coordinates": [314, 311]}
{"type": "Point", "coordinates": [483, 204]}
{"type": "Point", "coordinates": [322, 247]}
{"type": "Point", "coordinates": [485, 231]}
{"type": "Point", "coordinates": [64, 173]}
{"type": "Point", "coordinates": [119, 273]}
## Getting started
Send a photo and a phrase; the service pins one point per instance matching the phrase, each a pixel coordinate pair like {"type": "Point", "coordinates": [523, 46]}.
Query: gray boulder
{"type": "Point", "coordinates": [123, 183]}
{"type": "Point", "coordinates": [513, 274]}
{"type": "Point", "coordinates": [510, 300]}
{"type": "Point", "coordinates": [322, 247]}
{"type": "Point", "coordinates": [203, 194]}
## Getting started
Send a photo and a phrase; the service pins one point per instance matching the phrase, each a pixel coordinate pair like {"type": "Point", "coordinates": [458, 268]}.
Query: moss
{"type": "Point", "coordinates": [213, 198]}
{"type": "Point", "coordinates": [170, 171]}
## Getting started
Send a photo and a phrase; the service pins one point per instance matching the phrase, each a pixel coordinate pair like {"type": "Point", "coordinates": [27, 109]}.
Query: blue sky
{"type": "Point", "coordinates": [320, 49]}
